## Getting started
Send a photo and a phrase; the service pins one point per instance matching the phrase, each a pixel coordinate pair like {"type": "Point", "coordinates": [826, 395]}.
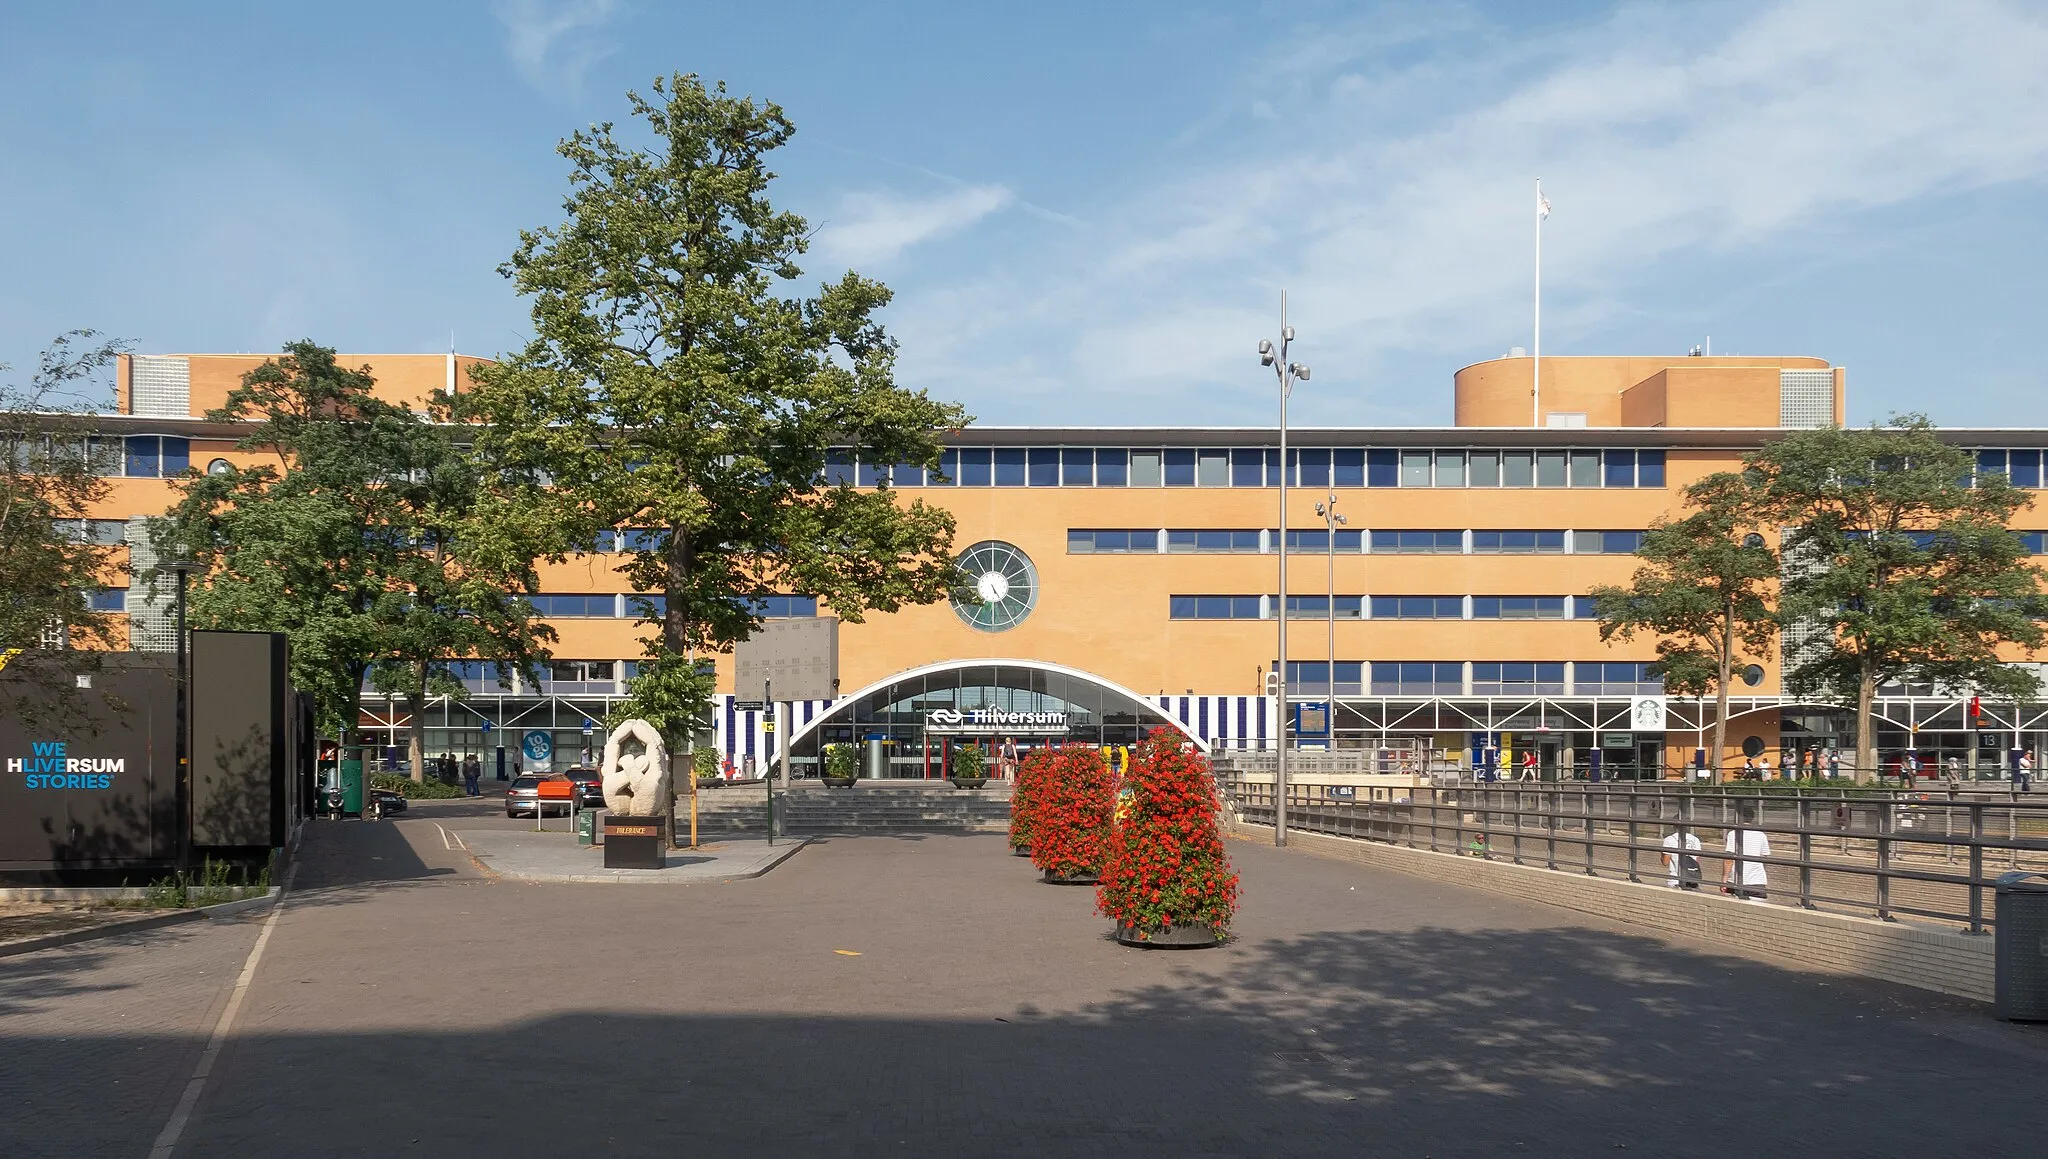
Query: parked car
{"type": "Point", "coordinates": [524, 796]}
{"type": "Point", "coordinates": [589, 786]}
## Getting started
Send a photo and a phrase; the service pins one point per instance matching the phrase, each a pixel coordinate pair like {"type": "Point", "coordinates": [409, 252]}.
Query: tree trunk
{"type": "Point", "coordinates": [1866, 740]}
{"type": "Point", "coordinates": [1727, 659]}
{"type": "Point", "coordinates": [416, 735]}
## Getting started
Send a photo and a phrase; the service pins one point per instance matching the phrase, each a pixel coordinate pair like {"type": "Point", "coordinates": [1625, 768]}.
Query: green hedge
{"type": "Point", "coordinates": [422, 790]}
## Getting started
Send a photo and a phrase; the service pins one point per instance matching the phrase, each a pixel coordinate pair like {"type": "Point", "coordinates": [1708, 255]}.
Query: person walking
{"type": "Point", "coordinates": [1529, 765]}
{"type": "Point", "coordinates": [2023, 771]}
{"type": "Point", "coordinates": [1834, 764]}
{"type": "Point", "coordinates": [1679, 859]}
{"type": "Point", "coordinates": [1747, 880]}
{"type": "Point", "coordinates": [472, 775]}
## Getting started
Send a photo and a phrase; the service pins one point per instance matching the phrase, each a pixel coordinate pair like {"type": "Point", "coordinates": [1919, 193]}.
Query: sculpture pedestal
{"type": "Point", "coordinates": [634, 843]}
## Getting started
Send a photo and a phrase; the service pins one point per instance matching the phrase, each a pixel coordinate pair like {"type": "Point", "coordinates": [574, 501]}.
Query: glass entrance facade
{"type": "Point", "coordinates": [897, 714]}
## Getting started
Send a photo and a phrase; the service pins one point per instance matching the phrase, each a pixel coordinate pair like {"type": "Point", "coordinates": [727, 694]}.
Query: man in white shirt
{"type": "Point", "coordinates": [1746, 879]}
{"type": "Point", "coordinates": [1683, 868]}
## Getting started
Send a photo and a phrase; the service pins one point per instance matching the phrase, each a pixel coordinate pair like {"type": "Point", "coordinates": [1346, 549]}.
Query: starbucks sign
{"type": "Point", "coordinates": [981, 721]}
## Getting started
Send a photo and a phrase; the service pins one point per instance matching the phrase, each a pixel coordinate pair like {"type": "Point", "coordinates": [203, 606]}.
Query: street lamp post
{"type": "Point", "coordinates": [1331, 522]}
{"type": "Point", "coordinates": [182, 568]}
{"type": "Point", "coordinates": [1288, 374]}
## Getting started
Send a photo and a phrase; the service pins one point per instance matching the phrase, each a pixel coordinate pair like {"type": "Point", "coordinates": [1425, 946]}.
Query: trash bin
{"type": "Point", "coordinates": [2020, 989]}
{"type": "Point", "coordinates": [588, 827]}
{"type": "Point", "coordinates": [875, 766]}
{"type": "Point", "coordinates": [350, 778]}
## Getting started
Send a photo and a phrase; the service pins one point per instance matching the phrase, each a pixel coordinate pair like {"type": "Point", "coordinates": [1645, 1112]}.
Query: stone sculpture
{"type": "Point", "coordinates": [635, 770]}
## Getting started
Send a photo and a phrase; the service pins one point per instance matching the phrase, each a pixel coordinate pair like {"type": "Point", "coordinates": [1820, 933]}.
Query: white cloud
{"type": "Point", "coordinates": [1397, 206]}
{"type": "Point", "coordinates": [549, 44]}
{"type": "Point", "coordinates": [875, 227]}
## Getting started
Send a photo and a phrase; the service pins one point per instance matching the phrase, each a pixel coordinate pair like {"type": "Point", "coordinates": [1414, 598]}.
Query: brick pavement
{"type": "Point", "coordinates": [407, 1003]}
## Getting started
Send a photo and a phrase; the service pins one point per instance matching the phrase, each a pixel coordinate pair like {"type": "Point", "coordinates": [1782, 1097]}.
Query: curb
{"type": "Point", "coordinates": [613, 878]}
{"type": "Point", "coordinates": [137, 925]}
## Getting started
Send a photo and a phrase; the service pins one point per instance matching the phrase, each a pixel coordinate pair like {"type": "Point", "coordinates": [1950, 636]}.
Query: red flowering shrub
{"type": "Point", "coordinates": [1029, 772]}
{"type": "Point", "coordinates": [1166, 863]}
{"type": "Point", "coordinates": [1073, 807]}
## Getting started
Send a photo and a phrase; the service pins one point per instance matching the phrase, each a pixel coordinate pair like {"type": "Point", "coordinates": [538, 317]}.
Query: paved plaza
{"type": "Point", "coordinates": [880, 995]}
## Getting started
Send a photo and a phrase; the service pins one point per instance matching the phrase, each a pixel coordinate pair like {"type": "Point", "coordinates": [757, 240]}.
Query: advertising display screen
{"type": "Point", "coordinates": [88, 774]}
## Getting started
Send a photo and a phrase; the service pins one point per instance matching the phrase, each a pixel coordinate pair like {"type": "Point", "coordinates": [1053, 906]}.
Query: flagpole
{"type": "Point", "coordinates": [1536, 361]}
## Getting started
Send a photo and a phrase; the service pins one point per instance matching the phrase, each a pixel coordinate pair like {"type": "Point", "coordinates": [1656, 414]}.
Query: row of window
{"type": "Point", "coordinates": [104, 532]}
{"type": "Point", "coordinates": [1384, 607]}
{"type": "Point", "coordinates": [113, 456]}
{"type": "Point", "coordinates": [1257, 467]}
{"type": "Point", "coordinates": [2021, 467]}
{"type": "Point", "coordinates": [633, 605]}
{"type": "Point", "coordinates": [1487, 678]}
{"type": "Point", "coordinates": [1251, 541]}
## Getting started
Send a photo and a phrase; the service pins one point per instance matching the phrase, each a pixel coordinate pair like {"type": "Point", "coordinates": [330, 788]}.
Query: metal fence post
{"type": "Point", "coordinates": [1976, 867]}
{"type": "Point", "coordinates": [1805, 855]}
{"type": "Point", "coordinates": [1884, 861]}
{"type": "Point", "coordinates": [1586, 815]}
{"type": "Point", "coordinates": [1634, 835]}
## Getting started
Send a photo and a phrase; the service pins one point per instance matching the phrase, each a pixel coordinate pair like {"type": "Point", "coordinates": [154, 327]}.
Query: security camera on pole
{"type": "Point", "coordinates": [1288, 373]}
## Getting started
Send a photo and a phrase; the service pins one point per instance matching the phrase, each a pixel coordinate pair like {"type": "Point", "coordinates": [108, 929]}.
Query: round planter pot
{"type": "Point", "coordinates": [968, 782]}
{"type": "Point", "coordinates": [839, 782]}
{"type": "Point", "coordinates": [1071, 879]}
{"type": "Point", "coordinates": [710, 782]}
{"type": "Point", "coordinates": [1170, 938]}
{"type": "Point", "coordinates": [1021, 851]}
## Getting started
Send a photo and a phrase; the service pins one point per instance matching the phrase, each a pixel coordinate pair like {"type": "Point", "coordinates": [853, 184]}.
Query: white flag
{"type": "Point", "coordinates": [1542, 207]}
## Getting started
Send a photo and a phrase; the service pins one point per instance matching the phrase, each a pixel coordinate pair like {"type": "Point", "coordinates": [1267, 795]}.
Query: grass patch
{"type": "Point", "coordinates": [216, 882]}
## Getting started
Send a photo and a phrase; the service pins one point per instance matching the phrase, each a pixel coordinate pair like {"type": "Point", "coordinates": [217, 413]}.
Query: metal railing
{"type": "Point", "coordinates": [1876, 851]}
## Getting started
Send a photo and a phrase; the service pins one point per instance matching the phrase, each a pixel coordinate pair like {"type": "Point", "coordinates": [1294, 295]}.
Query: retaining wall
{"type": "Point", "coordinates": [1928, 957]}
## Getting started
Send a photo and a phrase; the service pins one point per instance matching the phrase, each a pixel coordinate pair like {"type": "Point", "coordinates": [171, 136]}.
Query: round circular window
{"type": "Point", "coordinates": [1752, 746]}
{"type": "Point", "coordinates": [1753, 675]}
{"type": "Point", "coordinates": [218, 467]}
{"type": "Point", "coordinates": [1001, 586]}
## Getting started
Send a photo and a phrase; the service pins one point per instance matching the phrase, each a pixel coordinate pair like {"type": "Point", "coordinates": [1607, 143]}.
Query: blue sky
{"type": "Point", "coordinates": [1088, 211]}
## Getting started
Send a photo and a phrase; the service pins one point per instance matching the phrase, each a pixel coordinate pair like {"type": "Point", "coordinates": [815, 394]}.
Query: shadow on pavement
{"type": "Point", "coordinates": [1431, 1042]}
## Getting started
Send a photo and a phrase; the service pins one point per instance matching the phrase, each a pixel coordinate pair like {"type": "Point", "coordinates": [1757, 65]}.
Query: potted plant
{"type": "Point", "coordinates": [1166, 881]}
{"type": "Point", "coordinates": [841, 766]}
{"type": "Point", "coordinates": [1022, 796]}
{"type": "Point", "coordinates": [1073, 815]}
{"type": "Point", "coordinates": [704, 765]}
{"type": "Point", "coordinates": [968, 768]}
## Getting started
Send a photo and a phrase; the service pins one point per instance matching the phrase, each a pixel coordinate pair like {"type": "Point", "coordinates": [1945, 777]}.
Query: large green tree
{"type": "Point", "coordinates": [372, 542]}
{"type": "Point", "coordinates": [680, 383]}
{"type": "Point", "coordinates": [1900, 567]}
{"type": "Point", "coordinates": [1705, 591]}
{"type": "Point", "coordinates": [52, 472]}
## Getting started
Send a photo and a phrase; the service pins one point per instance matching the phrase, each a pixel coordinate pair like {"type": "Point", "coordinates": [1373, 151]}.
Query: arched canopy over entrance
{"type": "Point", "coordinates": [924, 713]}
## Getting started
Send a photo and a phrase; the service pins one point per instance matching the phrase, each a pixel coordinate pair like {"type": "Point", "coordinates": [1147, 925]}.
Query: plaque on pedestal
{"type": "Point", "coordinates": [634, 843]}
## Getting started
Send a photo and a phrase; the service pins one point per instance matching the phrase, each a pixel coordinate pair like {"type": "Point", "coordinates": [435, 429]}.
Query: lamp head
{"type": "Point", "coordinates": [1298, 370]}
{"type": "Point", "coordinates": [1265, 347]}
{"type": "Point", "coordinates": [1286, 333]}
{"type": "Point", "coordinates": [1266, 359]}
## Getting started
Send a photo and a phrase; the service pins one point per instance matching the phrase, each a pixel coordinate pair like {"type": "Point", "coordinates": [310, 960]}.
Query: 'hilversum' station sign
{"type": "Point", "coordinates": [981, 721]}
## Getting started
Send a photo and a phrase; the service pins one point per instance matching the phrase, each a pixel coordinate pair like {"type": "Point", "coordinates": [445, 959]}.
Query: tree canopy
{"type": "Point", "coordinates": [1705, 590]}
{"type": "Point", "coordinates": [680, 385]}
{"type": "Point", "coordinates": [1900, 567]}
{"type": "Point", "coordinates": [366, 545]}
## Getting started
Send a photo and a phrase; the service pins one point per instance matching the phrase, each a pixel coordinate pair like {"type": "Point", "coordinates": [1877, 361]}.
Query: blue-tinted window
{"type": "Point", "coordinates": [144, 455]}
{"type": "Point", "coordinates": [1606, 542]}
{"type": "Point", "coordinates": [1077, 467]}
{"type": "Point", "coordinates": [870, 474]}
{"type": "Point", "coordinates": [646, 607]}
{"type": "Point", "coordinates": [574, 605]}
{"type": "Point", "coordinates": [642, 539]}
{"type": "Point", "coordinates": [1517, 542]}
{"type": "Point", "coordinates": [1043, 468]}
{"type": "Point", "coordinates": [1180, 467]}
{"type": "Point", "coordinates": [1383, 468]}
{"type": "Point", "coordinates": [1112, 467]}
{"type": "Point", "coordinates": [1618, 469]}
{"type": "Point", "coordinates": [1318, 607]}
{"type": "Point", "coordinates": [1347, 467]}
{"type": "Point", "coordinates": [1516, 678]}
{"type": "Point", "coordinates": [177, 456]}
{"type": "Point", "coordinates": [1585, 608]}
{"type": "Point", "coordinates": [1443, 542]}
{"type": "Point", "coordinates": [1010, 470]}
{"type": "Point", "coordinates": [2036, 542]}
{"type": "Point", "coordinates": [2024, 468]}
{"type": "Point", "coordinates": [1418, 608]}
{"type": "Point", "coordinates": [838, 468]}
{"type": "Point", "coordinates": [1417, 678]}
{"type": "Point", "coordinates": [948, 474]}
{"type": "Point", "coordinates": [1099, 541]}
{"type": "Point", "coordinates": [1314, 467]}
{"type": "Point", "coordinates": [1990, 463]}
{"type": "Point", "coordinates": [1272, 466]}
{"type": "Point", "coordinates": [1248, 467]}
{"type": "Point", "coordinates": [784, 607]}
{"type": "Point", "coordinates": [1212, 540]}
{"type": "Point", "coordinates": [108, 599]}
{"type": "Point", "coordinates": [1649, 468]}
{"type": "Point", "coordinates": [1213, 607]}
{"type": "Point", "coordinates": [1614, 678]}
{"type": "Point", "coordinates": [1314, 539]}
{"type": "Point", "coordinates": [907, 475]}
{"type": "Point", "coordinates": [1311, 677]}
{"type": "Point", "coordinates": [1518, 607]}
{"type": "Point", "coordinates": [976, 467]}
